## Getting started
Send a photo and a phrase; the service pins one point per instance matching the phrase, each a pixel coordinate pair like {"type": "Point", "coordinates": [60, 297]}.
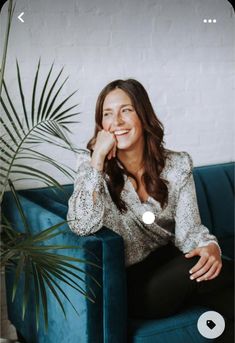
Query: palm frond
{"type": "Point", "coordinates": [45, 268]}
{"type": "Point", "coordinates": [11, 122]}
{"type": "Point", "coordinates": [45, 112]}
{"type": "Point", "coordinates": [38, 119]}
{"type": "Point", "coordinates": [42, 126]}
{"type": "Point", "coordinates": [14, 113]}
{"type": "Point", "coordinates": [19, 269]}
{"type": "Point", "coordinates": [19, 207]}
{"type": "Point", "coordinates": [34, 93]}
{"type": "Point", "coordinates": [22, 96]}
{"type": "Point", "coordinates": [46, 117]}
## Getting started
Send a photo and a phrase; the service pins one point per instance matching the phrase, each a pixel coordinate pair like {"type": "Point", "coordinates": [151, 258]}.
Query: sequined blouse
{"type": "Point", "coordinates": [91, 207]}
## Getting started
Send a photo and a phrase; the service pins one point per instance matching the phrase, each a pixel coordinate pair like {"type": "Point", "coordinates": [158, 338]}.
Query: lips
{"type": "Point", "coordinates": [121, 132]}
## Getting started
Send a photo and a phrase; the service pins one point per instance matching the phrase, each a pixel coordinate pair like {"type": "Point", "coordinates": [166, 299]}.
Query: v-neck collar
{"type": "Point", "coordinates": [132, 188]}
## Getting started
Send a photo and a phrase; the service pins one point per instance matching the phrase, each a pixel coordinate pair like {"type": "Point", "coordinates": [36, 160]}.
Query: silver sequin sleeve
{"type": "Point", "coordinates": [86, 205]}
{"type": "Point", "coordinates": [189, 231]}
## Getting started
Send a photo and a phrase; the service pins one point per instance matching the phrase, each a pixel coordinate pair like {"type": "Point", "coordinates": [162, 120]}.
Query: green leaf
{"type": "Point", "coordinates": [2, 141]}
{"type": "Point", "coordinates": [61, 290]}
{"type": "Point", "coordinates": [61, 116]}
{"type": "Point", "coordinates": [11, 122]}
{"type": "Point", "coordinates": [43, 93]}
{"type": "Point", "coordinates": [33, 95]}
{"type": "Point", "coordinates": [52, 288]}
{"type": "Point", "coordinates": [17, 119]}
{"type": "Point", "coordinates": [27, 280]}
{"type": "Point", "coordinates": [37, 173]}
{"type": "Point", "coordinates": [52, 115]}
{"type": "Point", "coordinates": [43, 293]}
{"type": "Point", "coordinates": [18, 271]}
{"type": "Point", "coordinates": [19, 207]}
{"type": "Point", "coordinates": [45, 234]}
{"type": "Point", "coordinates": [37, 156]}
{"type": "Point", "coordinates": [8, 131]}
{"type": "Point", "coordinates": [59, 275]}
{"type": "Point", "coordinates": [22, 95]}
{"type": "Point", "coordinates": [44, 113]}
{"type": "Point", "coordinates": [36, 293]}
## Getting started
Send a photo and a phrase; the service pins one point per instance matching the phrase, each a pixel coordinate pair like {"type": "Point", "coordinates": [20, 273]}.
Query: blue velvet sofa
{"type": "Point", "coordinates": [105, 321]}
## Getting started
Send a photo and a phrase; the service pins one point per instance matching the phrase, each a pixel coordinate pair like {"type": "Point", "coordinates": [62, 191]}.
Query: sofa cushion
{"type": "Point", "coordinates": [179, 328]}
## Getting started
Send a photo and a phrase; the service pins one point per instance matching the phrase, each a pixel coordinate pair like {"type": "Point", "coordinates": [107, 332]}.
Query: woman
{"type": "Point", "coordinates": [129, 176]}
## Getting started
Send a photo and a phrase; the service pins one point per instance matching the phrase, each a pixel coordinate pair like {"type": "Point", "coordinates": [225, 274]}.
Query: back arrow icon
{"type": "Point", "coordinates": [19, 17]}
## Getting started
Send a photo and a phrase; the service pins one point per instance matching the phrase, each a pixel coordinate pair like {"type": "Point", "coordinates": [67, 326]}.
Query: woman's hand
{"type": "Point", "coordinates": [105, 145]}
{"type": "Point", "coordinates": [209, 265]}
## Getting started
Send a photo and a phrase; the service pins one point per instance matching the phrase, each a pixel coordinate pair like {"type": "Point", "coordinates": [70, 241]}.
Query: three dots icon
{"type": "Point", "coordinates": [209, 21]}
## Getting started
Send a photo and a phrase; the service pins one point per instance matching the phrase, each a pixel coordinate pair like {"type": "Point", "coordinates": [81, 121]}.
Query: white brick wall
{"type": "Point", "coordinates": [187, 66]}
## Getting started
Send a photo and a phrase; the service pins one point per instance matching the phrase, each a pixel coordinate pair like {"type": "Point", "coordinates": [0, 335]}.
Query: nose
{"type": "Point", "coordinates": [117, 119]}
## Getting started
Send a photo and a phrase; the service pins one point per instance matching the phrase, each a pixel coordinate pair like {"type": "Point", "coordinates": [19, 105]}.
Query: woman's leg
{"type": "Point", "coordinates": [218, 294]}
{"type": "Point", "coordinates": [159, 285]}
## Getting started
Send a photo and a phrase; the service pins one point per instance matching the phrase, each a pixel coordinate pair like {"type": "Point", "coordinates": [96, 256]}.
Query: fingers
{"type": "Point", "coordinates": [192, 253]}
{"type": "Point", "coordinates": [112, 153]}
{"type": "Point", "coordinates": [201, 271]}
{"type": "Point", "coordinates": [105, 144]}
{"type": "Point", "coordinates": [201, 262]}
{"type": "Point", "coordinates": [208, 272]}
{"type": "Point", "coordinates": [216, 273]}
{"type": "Point", "coordinates": [114, 150]}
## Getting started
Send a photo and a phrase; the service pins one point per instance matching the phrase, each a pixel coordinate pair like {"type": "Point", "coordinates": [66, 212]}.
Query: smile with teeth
{"type": "Point", "coordinates": [120, 132]}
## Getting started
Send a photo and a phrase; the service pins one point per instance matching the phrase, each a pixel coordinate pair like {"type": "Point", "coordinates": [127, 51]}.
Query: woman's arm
{"type": "Point", "coordinates": [87, 203]}
{"type": "Point", "coordinates": [189, 231]}
{"type": "Point", "coordinates": [190, 235]}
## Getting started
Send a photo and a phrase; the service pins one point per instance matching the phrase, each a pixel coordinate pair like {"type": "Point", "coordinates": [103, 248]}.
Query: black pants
{"type": "Point", "coordinates": [159, 286]}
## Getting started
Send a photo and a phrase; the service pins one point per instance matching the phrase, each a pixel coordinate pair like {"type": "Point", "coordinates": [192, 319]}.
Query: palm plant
{"type": "Point", "coordinates": [45, 123]}
{"type": "Point", "coordinates": [28, 255]}
{"type": "Point", "coordinates": [45, 120]}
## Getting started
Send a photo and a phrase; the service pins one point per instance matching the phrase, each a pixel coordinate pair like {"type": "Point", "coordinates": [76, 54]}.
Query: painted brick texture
{"type": "Point", "coordinates": [186, 65]}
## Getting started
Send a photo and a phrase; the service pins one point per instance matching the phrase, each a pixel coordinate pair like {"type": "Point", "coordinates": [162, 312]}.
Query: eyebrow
{"type": "Point", "coordinates": [124, 105]}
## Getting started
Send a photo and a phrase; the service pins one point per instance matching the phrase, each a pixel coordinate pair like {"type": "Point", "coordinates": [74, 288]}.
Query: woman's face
{"type": "Point", "coordinates": [121, 119]}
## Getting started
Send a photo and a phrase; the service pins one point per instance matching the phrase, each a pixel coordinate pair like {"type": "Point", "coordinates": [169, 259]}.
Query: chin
{"type": "Point", "coordinates": [124, 146]}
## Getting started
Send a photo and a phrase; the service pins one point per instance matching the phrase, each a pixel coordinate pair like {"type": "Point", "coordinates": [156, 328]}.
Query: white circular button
{"type": "Point", "coordinates": [148, 217]}
{"type": "Point", "coordinates": [211, 324]}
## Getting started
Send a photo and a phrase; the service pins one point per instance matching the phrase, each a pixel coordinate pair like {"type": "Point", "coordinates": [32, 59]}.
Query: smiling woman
{"type": "Point", "coordinates": [122, 120]}
{"type": "Point", "coordinates": [126, 173]}
{"type": "Point", "coordinates": [138, 152]}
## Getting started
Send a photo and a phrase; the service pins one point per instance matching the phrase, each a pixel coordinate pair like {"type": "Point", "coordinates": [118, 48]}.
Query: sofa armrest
{"type": "Point", "coordinates": [114, 287]}
{"type": "Point", "coordinates": [102, 321]}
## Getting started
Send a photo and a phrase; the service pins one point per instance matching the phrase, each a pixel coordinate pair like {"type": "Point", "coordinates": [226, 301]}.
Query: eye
{"type": "Point", "coordinates": [127, 110]}
{"type": "Point", "coordinates": [106, 114]}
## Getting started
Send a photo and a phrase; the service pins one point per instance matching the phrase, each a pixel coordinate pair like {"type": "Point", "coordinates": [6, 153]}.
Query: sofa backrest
{"type": "Point", "coordinates": [215, 194]}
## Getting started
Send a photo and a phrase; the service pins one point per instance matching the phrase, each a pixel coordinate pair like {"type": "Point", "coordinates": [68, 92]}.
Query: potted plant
{"type": "Point", "coordinates": [46, 120]}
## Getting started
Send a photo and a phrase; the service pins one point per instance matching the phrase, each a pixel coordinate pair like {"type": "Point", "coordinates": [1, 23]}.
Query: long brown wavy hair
{"type": "Point", "coordinates": [154, 151]}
